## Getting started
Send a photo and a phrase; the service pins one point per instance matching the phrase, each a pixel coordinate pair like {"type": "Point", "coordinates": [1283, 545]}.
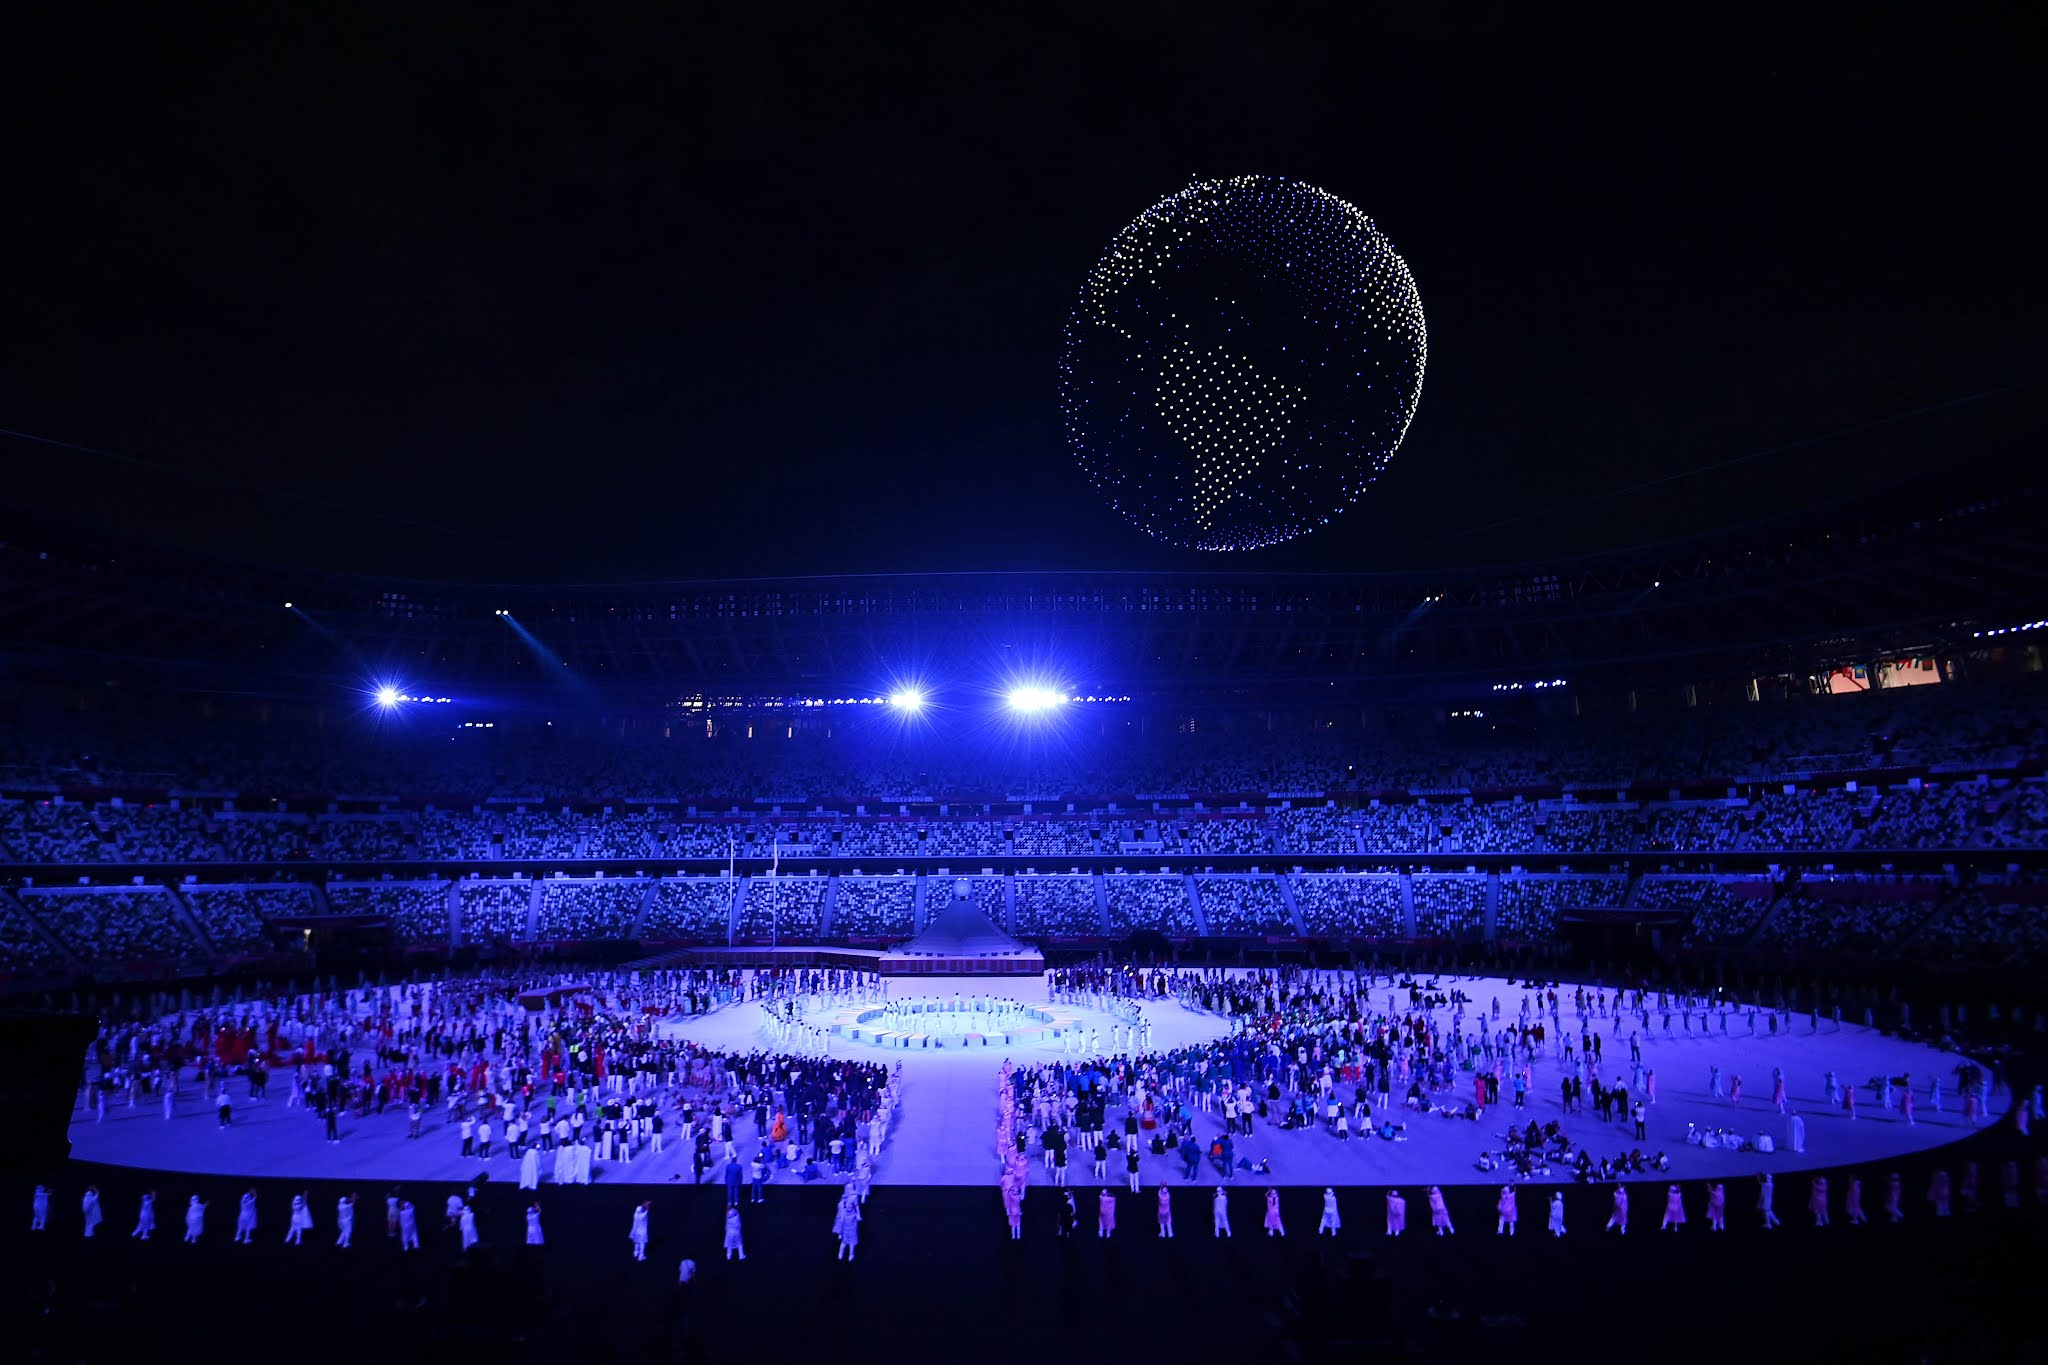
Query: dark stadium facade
{"type": "Point", "coordinates": [1911, 572]}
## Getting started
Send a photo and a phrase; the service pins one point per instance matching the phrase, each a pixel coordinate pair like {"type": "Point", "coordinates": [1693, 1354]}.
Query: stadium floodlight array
{"type": "Point", "coordinates": [2008, 630]}
{"type": "Point", "coordinates": [1032, 699]}
{"type": "Point", "coordinates": [908, 700]}
{"type": "Point", "coordinates": [390, 697]}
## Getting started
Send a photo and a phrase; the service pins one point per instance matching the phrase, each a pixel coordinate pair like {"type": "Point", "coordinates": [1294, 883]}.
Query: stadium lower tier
{"type": "Point", "coordinates": [1981, 916]}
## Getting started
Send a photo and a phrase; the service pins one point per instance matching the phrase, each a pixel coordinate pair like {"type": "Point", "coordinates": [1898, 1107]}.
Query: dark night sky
{"type": "Point", "coordinates": [498, 297]}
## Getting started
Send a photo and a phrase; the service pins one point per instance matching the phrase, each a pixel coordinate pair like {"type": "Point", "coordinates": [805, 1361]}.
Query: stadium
{"type": "Point", "coordinates": [995, 919]}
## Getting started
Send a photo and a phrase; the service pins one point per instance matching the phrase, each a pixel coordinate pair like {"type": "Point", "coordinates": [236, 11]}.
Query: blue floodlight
{"type": "Point", "coordinates": [1033, 699]}
{"type": "Point", "coordinates": [388, 696]}
{"type": "Point", "coordinates": [907, 699]}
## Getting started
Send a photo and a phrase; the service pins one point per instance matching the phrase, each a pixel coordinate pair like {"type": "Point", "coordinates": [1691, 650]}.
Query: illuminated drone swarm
{"type": "Point", "coordinates": [1243, 363]}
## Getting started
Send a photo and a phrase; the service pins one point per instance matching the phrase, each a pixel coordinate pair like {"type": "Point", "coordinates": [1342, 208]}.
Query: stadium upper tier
{"type": "Point", "coordinates": [2004, 813]}
{"type": "Point", "coordinates": [1089, 759]}
{"type": "Point", "coordinates": [1913, 570]}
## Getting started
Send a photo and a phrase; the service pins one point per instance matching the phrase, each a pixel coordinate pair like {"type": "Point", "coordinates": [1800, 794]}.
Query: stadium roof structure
{"type": "Point", "coordinates": [1916, 570]}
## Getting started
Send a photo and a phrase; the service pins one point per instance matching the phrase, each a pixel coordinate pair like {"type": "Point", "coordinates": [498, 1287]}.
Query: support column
{"type": "Point", "coordinates": [1286, 882]}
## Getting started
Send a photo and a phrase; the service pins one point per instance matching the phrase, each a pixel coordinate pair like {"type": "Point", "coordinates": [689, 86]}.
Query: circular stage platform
{"type": "Point", "coordinates": [965, 1022]}
{"type": "Point", "coordinates": [943, 1134]}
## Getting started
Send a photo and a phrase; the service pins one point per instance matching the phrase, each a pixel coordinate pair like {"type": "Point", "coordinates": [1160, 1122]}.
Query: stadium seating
{"type": "Point", "coordinates": [1059, 906]}
{"type": "Point", "coordinates": [1243, 905]}
{"type": "Point", "coordinates": [1529, 905]}
{"type": "Point", "coordinates": [1404, 838]}
{"type": "Point", "coordinates": [581, 911]}
{"type": "Point", "coordinates": [782, 910]}
{"type": "Point", "coordinates": [416, 911]}
{"type": "Point", "coordinates": [1158, 902]}
{"type": "Point", "coordinates": [874, 908]}
{"type": "Point", "coordinates": [106, 926]}
{"type": "Point", "coordinates": [1448, 906]}
{"type": "Point", "coordinates": [493, 911]}
{"type": "Point", "coordinates": [689, 909]}
{"type": "Point", "coordinates": [1357, 907]}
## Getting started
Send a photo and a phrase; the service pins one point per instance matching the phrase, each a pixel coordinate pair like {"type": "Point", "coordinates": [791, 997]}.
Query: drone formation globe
{"type": "Point", "coordinates": [1243, 362]}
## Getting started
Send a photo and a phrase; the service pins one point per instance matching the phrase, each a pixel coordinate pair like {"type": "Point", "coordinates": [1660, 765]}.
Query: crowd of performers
{"type": "Point", "coordinates": [579, 1070]}
{"type": "Point", "coordinates": [1709, 1198]}
{"type": "Point", "coordinates": [584, 1071]}
{"type": "Point", "coordinates": [791, 997]}
{"type": "Point", "coordinates": [536, 1073]}
{"type": "Point", "coordinates": [552, 1076]}
{"type": "Point", "coordinates": [1059, 1114]}
{"type": "Point", "coordinates": [1310, 1049]}
{"type": "Point", "coordinates": [1358, 1055]}
{"type": "Point", "coordinates": [793, 1017]}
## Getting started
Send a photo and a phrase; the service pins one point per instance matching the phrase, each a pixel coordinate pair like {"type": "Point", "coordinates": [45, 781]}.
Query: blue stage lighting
{"type": "Point", "coordinates": [388, 696]}
{"type": "Point", "coordinates": [908, 699]}
{"type": "Point", "coordinates": [1033, 699]}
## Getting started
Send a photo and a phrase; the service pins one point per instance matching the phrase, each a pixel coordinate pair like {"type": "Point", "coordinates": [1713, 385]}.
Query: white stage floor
{"type": "Point", "coordinates": [943, 1133]}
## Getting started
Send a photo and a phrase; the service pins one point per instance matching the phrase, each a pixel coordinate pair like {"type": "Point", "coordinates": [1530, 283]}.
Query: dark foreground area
{"type": "Point", "coordinates": [937, 1273]}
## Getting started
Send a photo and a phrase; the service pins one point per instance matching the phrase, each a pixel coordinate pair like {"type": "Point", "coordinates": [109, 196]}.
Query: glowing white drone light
{"type": "Point", "coordinates": [1197, 381]}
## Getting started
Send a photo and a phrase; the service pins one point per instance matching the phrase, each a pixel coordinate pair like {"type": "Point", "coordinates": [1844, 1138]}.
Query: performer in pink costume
{"type": "Point", "coordinates": [1439, 1216]}
{"type": "Point", "coordinates": [1013, 1207]}
{"type": "Point", "coordinates": [1505, 1208]}
{"type": "Point", "coordinates": [1969, 1187]}
{"type": "Point", "coordinates": [1717, 1207]}
{"type": "Point", "coordinates": [1817, 1201]}
{"type": "Point", "coordinates": [1778, 1094]}
{"type": "Point", "coordinates": [1849, 1100]}
{"type": "Point", "coordinates": [1397, 1213]}
{"type": "Point", "coordinates": [1650, 1084]}
{"type": "Point", "coordinates": [1274, 1227]}
{"type": "Point", "coordinates": [1893, 1193]}
{"type": "Point", "coordinates": [1906, 1105]}
{"type": "Point", "coordinates": [1852, 1202]}
{"type": "Point", "coordinates": [1735, 1090]}
{"type": "Point", "coordinates": [1937, 1194]}
{"type": "Point", "coordinates": [1617, 1221]}
{"type": "Point", "coordinates": [1674, 1210]}
{"type": "Point", "coordinates": [1105, 1213]}
{"type": "Point", "coordinates": [1165, 1211]}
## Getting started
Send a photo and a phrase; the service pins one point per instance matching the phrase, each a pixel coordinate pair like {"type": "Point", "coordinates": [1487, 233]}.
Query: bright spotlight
{"type": "Point", "coordinates": [909, 699]}
{"type": "Point", "coordinates": [1032, 700]}
{"type": "Point", "coordinates": [387, 696]}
